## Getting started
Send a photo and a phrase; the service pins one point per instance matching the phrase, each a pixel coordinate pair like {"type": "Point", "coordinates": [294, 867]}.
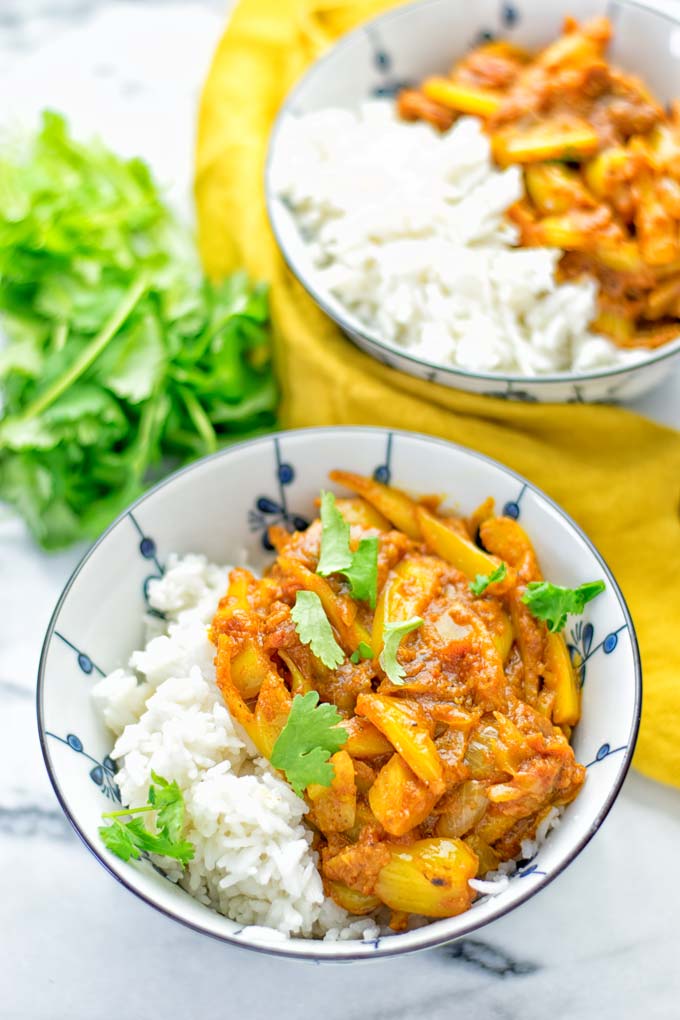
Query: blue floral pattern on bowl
{"type": "Point", "coordinates": [102, 773]}
{"type": "Point", "coordinates": [268, 511]}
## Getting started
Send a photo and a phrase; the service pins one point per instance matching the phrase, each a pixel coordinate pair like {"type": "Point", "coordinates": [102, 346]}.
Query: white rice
{"type": "Point", "coordinates": [253, 859]}
{"type": "Point", "coordinates": [406, 227]}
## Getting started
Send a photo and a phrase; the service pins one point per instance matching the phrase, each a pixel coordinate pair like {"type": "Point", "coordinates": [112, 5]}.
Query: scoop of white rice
{"type": "Point", "coordinates": [253, 859]}
{"type": "Point", "coordinates": [406, 227]}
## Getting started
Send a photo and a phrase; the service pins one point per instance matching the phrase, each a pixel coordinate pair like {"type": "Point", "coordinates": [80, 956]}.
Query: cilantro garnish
{"type": "Point", "coordinates": [482, 581]}
{"type": "Point", "coordinates": [360, 568]}
{"type": "Point", "coordinates": [363, 574]}
{"type": "Point", "coordinates": [131, 839]}
{"type": "Point", "coordinates": [552, 603]}
{"type": "Point", "coordinates": [336, 555]}
{"type": "Point", "coordinates": [364, 651]}
{"type": "Point", "coordinates": [313, 629]}
{"type": "Point", "coordinates": [168, 800]}
{"type": "Point", "coordinates": [306, 742]}
{"type": "Point", "coordinates": [392, 635]}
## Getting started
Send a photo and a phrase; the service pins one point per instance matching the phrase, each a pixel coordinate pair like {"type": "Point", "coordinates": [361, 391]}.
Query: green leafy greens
{"type": "Point", "coordinates": [392, 635]}
{"type": "Point", "coordinates": [360, 568]}
{"type": "Point", "coordinates": [121, 360]}
{"type": "Point", "coordinates": [132, 838]}
{"type": "Point", "coordinates": [482, 581]}
{"type": "Point", "coordinates": [364, 651]}
{"type": "Point", "coordinates": [313, 629]}
{"type": "Point", "coordinates": [552, 603]}
{"type": "Point", "coordinates": [306, 742]}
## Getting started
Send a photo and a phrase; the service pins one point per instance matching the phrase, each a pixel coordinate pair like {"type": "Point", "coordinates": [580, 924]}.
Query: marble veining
{"type": "Point", "coordinates": [601, 942]}
{"type": "Point", "coordinates": [34, 822]}
{"type": "Point", "coordinates": [489, 959]}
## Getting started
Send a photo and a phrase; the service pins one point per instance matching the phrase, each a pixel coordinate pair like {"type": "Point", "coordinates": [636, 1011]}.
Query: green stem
{"type": "Point", "coordinates": [200, 420]}
{"type": "Point", "coordinates": [59, 336]}
{"type": "Point", "coordinates": [128, 811]}
{"type": "Point", "coordinates": [146, 422]}
{"type": "Point", "coordinates": [91, 352]}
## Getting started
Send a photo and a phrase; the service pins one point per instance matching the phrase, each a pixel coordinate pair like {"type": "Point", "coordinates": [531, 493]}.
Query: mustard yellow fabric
{"type": "Point", "coordinates": [616, 473]}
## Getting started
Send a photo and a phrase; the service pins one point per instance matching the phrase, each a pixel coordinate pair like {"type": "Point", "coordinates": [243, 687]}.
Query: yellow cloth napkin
{"type": "Point", "coordinates": [616, 473]}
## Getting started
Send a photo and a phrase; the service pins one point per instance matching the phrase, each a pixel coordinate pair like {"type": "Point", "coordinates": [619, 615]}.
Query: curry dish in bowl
{"type": "Point", "coordinates": [492, 209]}
{"type": "Point", "coordinates": [368, 731]}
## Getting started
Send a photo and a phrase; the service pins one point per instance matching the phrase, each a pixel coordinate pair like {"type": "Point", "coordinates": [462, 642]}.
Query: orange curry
{"type": "Point", "coordinates": [601, 161]}
{"type": "Point", "coordinates": [445, 774]}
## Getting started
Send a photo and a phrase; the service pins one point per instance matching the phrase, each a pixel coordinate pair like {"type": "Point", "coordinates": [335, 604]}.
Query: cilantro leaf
{"type": "Point", "coordinates": [306, 742]}
{"type": "Point", "coordinates": [313, 629]}
{"type": "Point", "coordinates": [168, 800]}
{"type": "Point", "coordinates": [392, 635]}
{"type": "Point", "coordinates": [482, 581]}
{"type": "Point", "coordinates": [552, 603]}
{"type": "Point", "coordinates": [119, 841]}
{"type": "Point", "coordinates": [129, 839]}
{"type": "Point", "coordinates": [160, 843]}
{"type": "Point", "coordinates": [364, 651]}
{"type": "Point", "coordinates": [363, 572]}
{"type": "Point", "coordinates": [359, 568]}
{"type": "Point", "coordinates": [336, 556]}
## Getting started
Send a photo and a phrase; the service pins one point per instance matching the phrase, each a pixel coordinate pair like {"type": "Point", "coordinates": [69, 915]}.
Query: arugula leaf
{"type": "Point", "coordinates": [306, 742]}
{"type": "Point", "coordinates": [392, 635]}
{"type": "Point", "coordinates": [313, 629]}
{"type": "Point", "coordinates": [364, 651]}
{"type": "Point", "coordinates": [132, 838]}
{"type": "Point", "coordinates": [359, 568]}
{"type": "Point", "coordinates": [552, 603]}
{"type": "Point", "coordinates": [482, 581]}
{"type": "Point", "coordinates": [121, 360]}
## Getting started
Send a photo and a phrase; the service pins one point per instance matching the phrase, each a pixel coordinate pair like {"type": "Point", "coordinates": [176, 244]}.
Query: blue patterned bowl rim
{"type": "Point", "coordinates": [667, 351]}
{"type": "Point", "coordinates": [388, 946]}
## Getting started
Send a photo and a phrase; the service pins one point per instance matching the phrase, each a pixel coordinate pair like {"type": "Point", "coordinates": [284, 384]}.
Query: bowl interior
{"type": "Point", "coordinates": [221, 507]}
{"type": "Point", "coordinates": [401, 48]}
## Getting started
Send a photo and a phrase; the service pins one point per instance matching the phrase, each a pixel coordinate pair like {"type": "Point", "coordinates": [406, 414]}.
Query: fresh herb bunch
{"type": "Point", "coordinates": [121, 359]}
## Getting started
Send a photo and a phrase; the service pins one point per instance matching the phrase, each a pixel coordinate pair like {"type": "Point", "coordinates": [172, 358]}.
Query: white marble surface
{"type": "Point", "coordinates": [601, 942]}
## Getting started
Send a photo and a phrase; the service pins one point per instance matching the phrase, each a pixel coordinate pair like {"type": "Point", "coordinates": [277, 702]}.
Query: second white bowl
{"type": "Point", "coordinates": [408, 44]}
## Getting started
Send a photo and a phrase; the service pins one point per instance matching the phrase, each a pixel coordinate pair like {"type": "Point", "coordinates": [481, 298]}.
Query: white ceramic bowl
{"type": "Point", "coordinates": [404, 46]}
{"type": "Point", "coordinates": [223, 504]}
